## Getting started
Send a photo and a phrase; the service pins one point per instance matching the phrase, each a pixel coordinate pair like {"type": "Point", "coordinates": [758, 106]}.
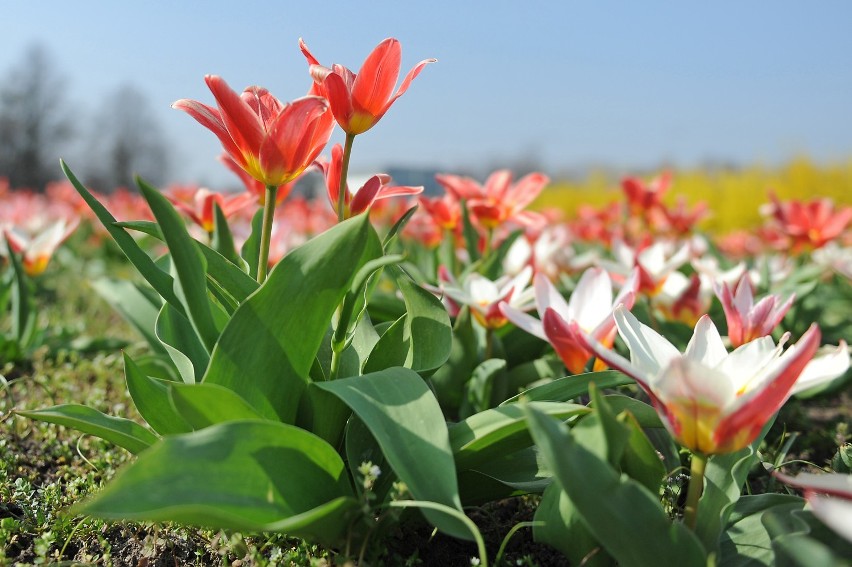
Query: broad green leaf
{"type": "Point", "coordinates": [798, 550]}
{"type": "Point", "coordinates": [492, 266]}
{"type": "Point", "coordinates": [421, 339]}
{"type": "Point", "coordinates": [403, 415]}
{"type": "Point", "coordinates": [640, 460]}
{"type": "Point", "coordinates": [23, 307]}
{"type": "Point", "coordinates": [146, 227]}
{"type": "Point", "coordinates": [559, 525]}
{"type": "Point", "coordinates": [646, 415]}
{"type": "Point", "coordinates": [621, 514]}
{"type": "Point", "coordinates": [135, 305]}
{"type": "Point", "coordinates": [483, 383]}
{"type": "Point", "coordinates": [266, 352]}
{"type": "Point", "coordinates": [570, 387]}
{"type": "Point", "coordinates": [203, 405]}
{"type": "Point", "coordinates": [724, 477]}
{"type": "Point", "coordinates": [241, 475]}
{"type": "Point", "coordinates": [151, 398]}
{"type": "Point", "coordinates": [398, 226]}
{"type": "Point", "coordinates": [449, 380]}
{"type": "Point", "coordinates": [222, 241]}
{"type": "Point", "coordinates": [176, 334]}
{"type": "Point", "coordinates": [161, 281]}
{"type": "Point", "coordinates": [251, 247]}
{"type": "Point", "coordinates": [499, 431]}
{"type": "Point", "coordinates": [361, 447]}
{"type": "Point", "coordinates": [118, 430]}
{"type": "Point", "coordinates": [522, 470]}
{"type": "Point", "coordinates": [538, 371]}
{"type": "Point", "coordinates": [745, 540]}
{"type": "Point", "coordinates": [188, 264]}
{"type": "Point", "coordinates": [224, 276]}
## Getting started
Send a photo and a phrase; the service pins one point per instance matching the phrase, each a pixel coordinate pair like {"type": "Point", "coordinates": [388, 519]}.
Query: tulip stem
{"type": "Point", "coordinates": [696, 487]}
{"type": "Point", "coordinates": [266, 231]}
{"type": "Point", "coordinates": [344, 170]}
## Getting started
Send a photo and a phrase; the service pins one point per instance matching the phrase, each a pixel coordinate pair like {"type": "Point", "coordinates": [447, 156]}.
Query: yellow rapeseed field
{"type": "Point", "coordinates": [734, 196]}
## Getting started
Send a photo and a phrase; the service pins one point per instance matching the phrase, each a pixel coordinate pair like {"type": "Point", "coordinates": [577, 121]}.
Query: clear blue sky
{"type": "Point", "coordinates": [626, 84]}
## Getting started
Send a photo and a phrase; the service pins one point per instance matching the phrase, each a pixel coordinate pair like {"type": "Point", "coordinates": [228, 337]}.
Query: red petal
{"type": "Point", "coordinates": [366, 195]}
{"type": "Point", "coordinates": [339, 99]}
{"type": "Point", "coordinates": [377, 78]}
{"type": "Point", "coordinates": [242, 123]}
{"type": "Point", "coordinates": [210, 118]}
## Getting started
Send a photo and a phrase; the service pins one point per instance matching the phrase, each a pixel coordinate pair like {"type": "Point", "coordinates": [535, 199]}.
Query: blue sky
{"type": "Point", "coordinates": [629, 85]}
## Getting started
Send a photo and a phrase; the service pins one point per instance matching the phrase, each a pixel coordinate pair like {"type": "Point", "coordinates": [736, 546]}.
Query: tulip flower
{"type": "Point", "coordinates": [811, 224]}
{"type": "Point", "coordinates": [644, 197]}
{"type": "Point", "coordinates": [587, 311]}
{"type": "Point", "coordinates": [654, 262]}
{"type": "Point", "coordinates": [498, 200]}
{"type": "Point", "coordinates": [485, 296]}
{"type": "Point", "coordinates": [359, 101]}
{"type": "Point", "coordinates": [712, 401]}
{"type": "Point", "coordinates": [271, 141]}
{"type": "Point", "coordinates": [255, 187]}
{"type": "Point", "coordinates": [376, 187]}
{"type": "Point", "coordinates": [748, 320]}
{"type": "Point", "coordinates": [37, 251]}
{"type": "Point", "coordinates": [201, 210]}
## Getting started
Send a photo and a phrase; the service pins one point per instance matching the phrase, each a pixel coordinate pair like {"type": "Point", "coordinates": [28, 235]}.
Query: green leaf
{"type": "Point", "coordinates": [499, 431]}
{"type": "Point", "coordinates": [421, 339]}
{"type": "Point", "coordinates": [798, 550]}
{"type": "Point", "coordinates": [23, 307]}
{"type": "Point", "coordinates": [151, 398]}
{"type": "Point", "coordinates": [159, 280]}
{"type": "Point", "coordinates": [724, 477]}
{"type": "Point", "coordinates": [746, 540]}
{"type": "Point", "coordinates": [146, 227]}
{"type": "Point", "coordinates": [640, 459]}
{"type": "Point", "coordinates": [570, 387]}
{"type": "Point", "coordinates": [522, 470]}
{"type": "Point", "coordinates": [118, 430]}
{"type": "Point", "coordinates": [136, 306]}
{"type": "Point", "coordinates": [266, 352]}
{"type": "Point", "coordinates": [620, 513]}
{"type": "Point", "coordinates": [449, 380]}
{"type": "Point", "coordinates": [403, 415]}
{"type": "Point", "coordinates": [646, 415]}
{"type": "Point", "coordinates": [559, 525]}
{"type": "Point", "coordinates": [223, 241]}
{"type": "Point", "coordinates": [187, 262]}
{"type": "Point", "coordinates": [203, 405]}
{"type": "Point", "coordinates": [251, 247]}
{"type": "Point", "coordinates": [482, 384]}
{"type": "Point", "coordinates": [176, 334]}
{"type": "Point", "coordinates": [398, 226]}
{"type": "Point", "coordinates": [227, 277]}
{"type": "Point", "coordinates": [241, 475]}
{"type": "Point", "coordinates": [492, 266]}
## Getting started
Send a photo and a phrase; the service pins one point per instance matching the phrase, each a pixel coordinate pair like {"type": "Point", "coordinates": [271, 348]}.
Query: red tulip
{"type": "Point", "coordinates": [271, 141]}
{"type": "Point", "coordinates": [359, 101]}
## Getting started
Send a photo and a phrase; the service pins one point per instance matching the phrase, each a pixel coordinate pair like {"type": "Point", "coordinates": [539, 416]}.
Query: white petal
{"type": "Point", "coordinates": [546, 295]}
{"type": "Point", "coordinates": [687, 379]}
{"type": "Point", "coordinates": [706, 346]}
{"type": "Point", "coordinates": [649, 351]}
{"type": "Point", "coordinates": [523, 321]}
{"type": "Point", "coordinates": [835, 513]}
{"type": "Point", "coordinates": [591, 300]}
{"type": "Point", "coordinates": [823, 368]}
{"type": "Point", "coordinates": [752, 362]}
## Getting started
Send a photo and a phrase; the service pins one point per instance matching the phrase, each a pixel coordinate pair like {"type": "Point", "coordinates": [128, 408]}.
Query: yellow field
{"type": "Point", "coordinates": [734, 196]}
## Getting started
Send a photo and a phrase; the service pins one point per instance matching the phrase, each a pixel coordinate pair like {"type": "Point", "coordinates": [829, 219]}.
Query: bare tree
{"type": "Point", "coordinates": [126, 141]}
{"type": "Point", "coordinates": [34, 121]}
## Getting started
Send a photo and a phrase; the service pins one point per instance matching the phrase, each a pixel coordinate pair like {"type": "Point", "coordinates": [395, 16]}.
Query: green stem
{"type": "Point", "coordinates": [696, 487]}
{"type": "Point", "coordinates": [335, 364]}
{"type": "Point", "coordinates": [266, 232]}
{"type": "Point", "coordinates": [344, 170]}
{"type": "Point", "coordinates": [489, 343]}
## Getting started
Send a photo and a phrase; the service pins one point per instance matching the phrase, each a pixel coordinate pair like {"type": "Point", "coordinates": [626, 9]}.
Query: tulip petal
{"type": "Point", "coordinates": [339, 99]}
{"type": "Point", "coordinates": [649, 351]}
{"type": "Point", "coordinates": [407, 82]}
{"type": "Point", "coordinates": [591, 301]}
{"type": "Point", "coordinates": [210, 118]}
{"type": "Point", "coordinates": [377, 78]}
{"type": "Point", "coordinates": [706, 346]}
{"type": "Point", "coordinates": [523, 321]}
{"type": "Point", "coordinates": [823, 368]}
{"type": "Point", "coordinates": [548, 297]}
{"type": "Point", "coordinates": [242, 123]}
{"type": "Point", "coordinates": [754, 410]}
{"type": "Point", "coordinates": [365, 196]}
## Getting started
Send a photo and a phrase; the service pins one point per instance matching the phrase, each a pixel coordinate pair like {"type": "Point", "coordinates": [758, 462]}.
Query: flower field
{"type": "Point", "coordinates": [645, 371]}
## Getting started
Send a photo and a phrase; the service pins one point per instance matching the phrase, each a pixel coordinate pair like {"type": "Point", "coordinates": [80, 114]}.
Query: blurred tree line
{"type": "Point", "coordinates": [38, 125]}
